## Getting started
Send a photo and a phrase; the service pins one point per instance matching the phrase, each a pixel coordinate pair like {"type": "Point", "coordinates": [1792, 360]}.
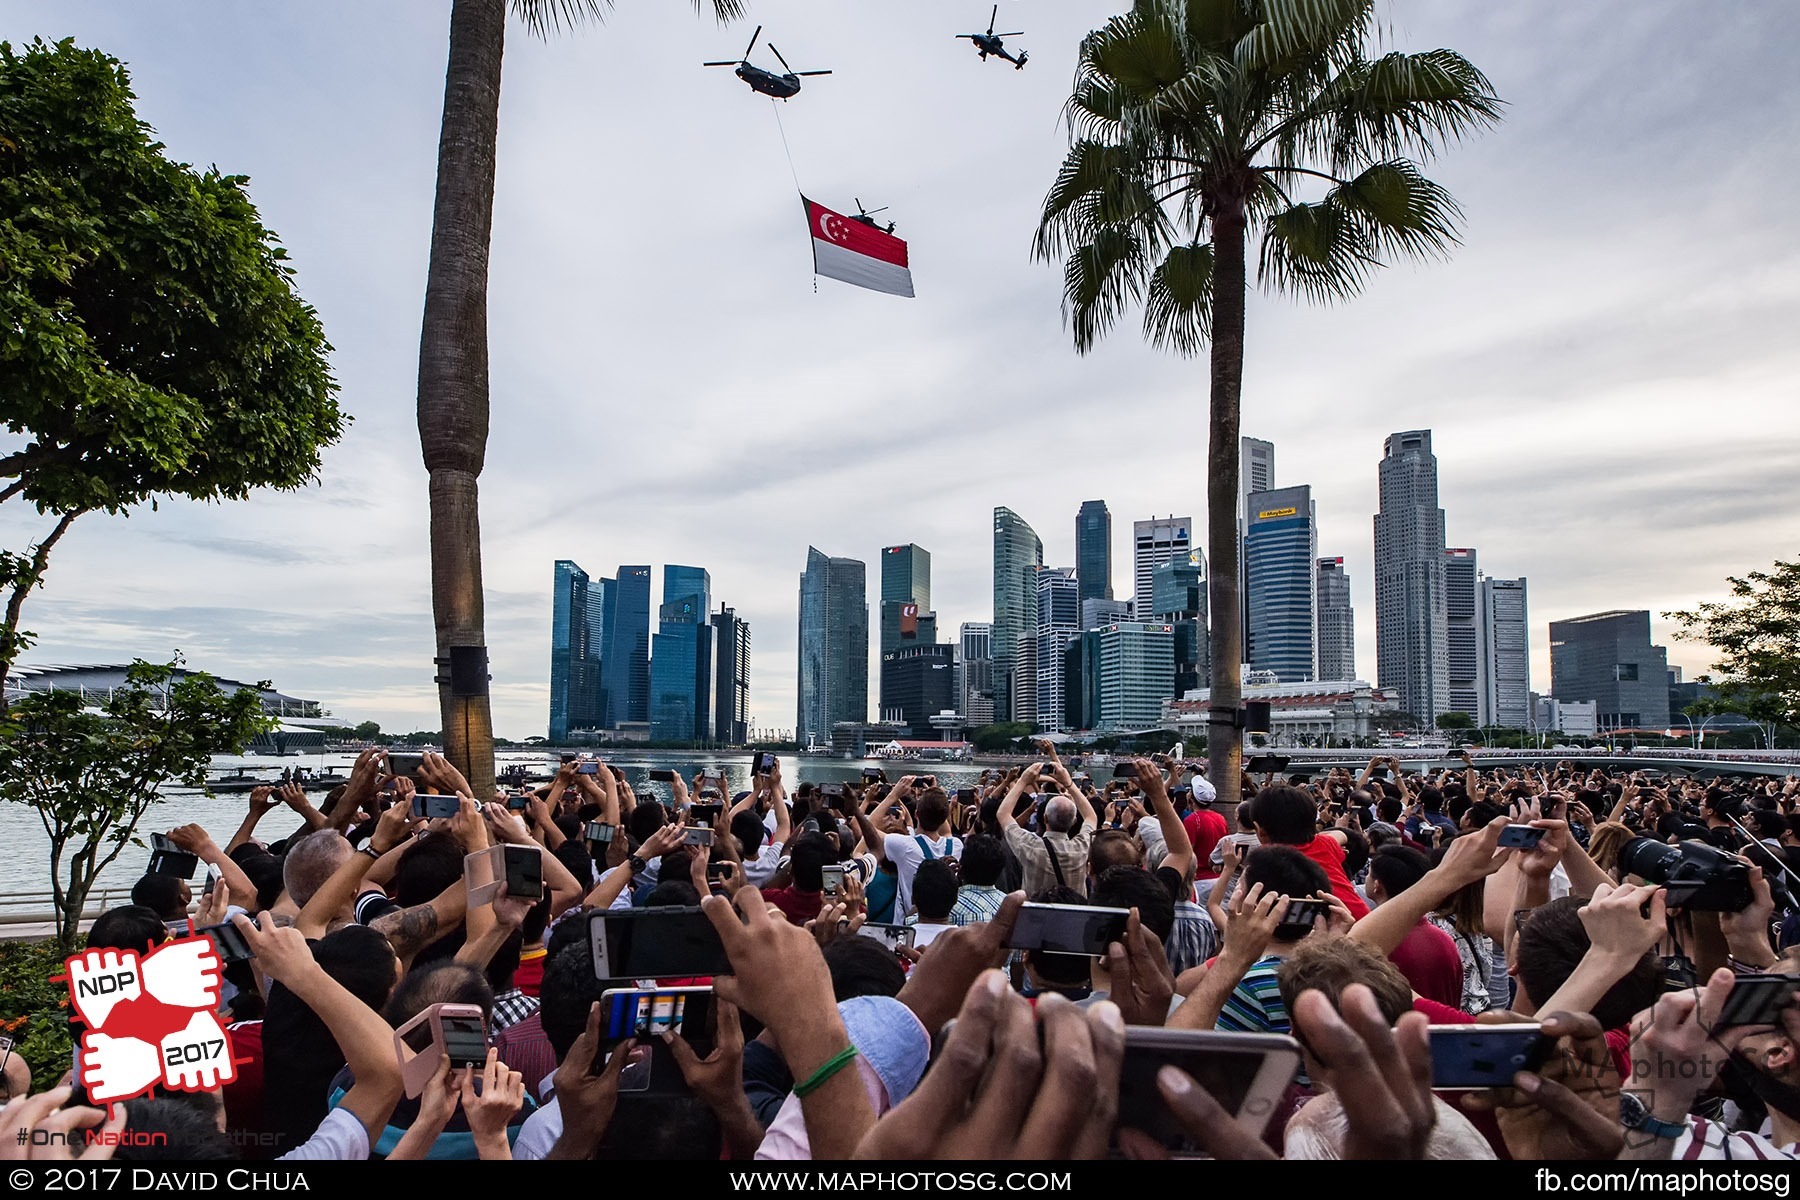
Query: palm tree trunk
{"type": "Point", "coordinates": [453, 364]}
{"type": "Point", "coordinates": [1224, 745]}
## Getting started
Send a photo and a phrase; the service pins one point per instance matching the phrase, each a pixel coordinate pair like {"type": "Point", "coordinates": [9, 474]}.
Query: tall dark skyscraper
{"type": "Point", "coordinates": [681, 663]}
{"type": "Point", "coordinates": [1178, 598]}
{"type": "Point", "coordinates": [626, 669]}
{"type": "Point", "coordinates": [731, 686]}
{"type": "Point", "coordinates": [1411, 650]}
{"type": "Point", "coordinates": [905, 613]}
{"type": "Point", "coordinates": [1093, 550]}
{"type": "Point", "coordinates": [1281, 550]}
{"type": "Point", "coordinates": [577, 634]}
{"type": "Point", "coordinates": [1018, 553]}
{"type": "Point", "coordinates": [834, 646]}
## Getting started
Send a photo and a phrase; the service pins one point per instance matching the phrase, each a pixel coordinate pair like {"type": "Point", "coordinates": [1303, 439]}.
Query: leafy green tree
{"type": "Point", "coordinates": [1757, 636]}
{"type": "Point", "coordinates": [368, 731]}
{"type": "Point", "coordinates": [91, 776]}
{"type": "Point", "coordinates": [1194, 126]}
{"type": "Point", "coordinates": [1455, 720]}
{"type": "Point", "coordinates": [999, 737]}
{"type": "Point", "coordinates": [453, 349]}
{"type": "Point", "coordinates": [153, 344]}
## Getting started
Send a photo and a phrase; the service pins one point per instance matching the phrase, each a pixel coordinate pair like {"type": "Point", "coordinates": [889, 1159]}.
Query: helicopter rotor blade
{"type": "Point", "coordinates": [873, 211]}
{"type": "Point", "coordinates": [784, 62]}
{"type": "Point", "coordinates": [993, 17]}
{"type": "Point", "coordinates": [1015, 33]}
{"type": "Point", "coordinates": [798, 73]}
{"type": "Point", "coordinates": [732, 63]}
{"type": "Point", "coordinates": [752, 45]}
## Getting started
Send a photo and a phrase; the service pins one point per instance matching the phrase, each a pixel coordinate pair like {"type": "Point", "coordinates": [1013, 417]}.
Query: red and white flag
{"type": "Point", "coordinates": [847, 249]}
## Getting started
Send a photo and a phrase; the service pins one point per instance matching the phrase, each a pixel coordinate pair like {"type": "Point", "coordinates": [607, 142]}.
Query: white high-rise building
{"type": "Point", "coordinates": [1411, 651]}
{"type": "Point", "coordinates": [1337, 622]}
{"type": "Point", "coordinates": [1155, 542]}
{"type": "Point", "coordinates": [1505, 654]}
{"type": "Point", "coordinates": [1059, 620]}
{"type": "Point", "coordinates": [975, 665]}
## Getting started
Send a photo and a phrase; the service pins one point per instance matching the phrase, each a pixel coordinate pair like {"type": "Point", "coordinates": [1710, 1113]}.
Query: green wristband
{"type": "Point", "coordinates": [822, 1076]}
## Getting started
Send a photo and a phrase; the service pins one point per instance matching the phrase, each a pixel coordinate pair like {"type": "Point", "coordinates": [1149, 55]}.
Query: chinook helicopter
{"type": "Point", "coordinates": [769, 83]}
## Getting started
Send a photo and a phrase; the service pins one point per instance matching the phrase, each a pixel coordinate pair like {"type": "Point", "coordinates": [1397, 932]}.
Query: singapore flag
{"type": "Point", "coordinates": [847, 249]}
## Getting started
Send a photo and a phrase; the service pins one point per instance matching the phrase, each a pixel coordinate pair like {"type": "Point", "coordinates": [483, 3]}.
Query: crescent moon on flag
{"type": "Point", "coordinates": [825, 221]}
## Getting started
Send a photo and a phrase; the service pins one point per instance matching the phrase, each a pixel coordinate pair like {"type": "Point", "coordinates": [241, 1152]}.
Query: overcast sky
{"type": "Point", "coordinates": [1608, 364]}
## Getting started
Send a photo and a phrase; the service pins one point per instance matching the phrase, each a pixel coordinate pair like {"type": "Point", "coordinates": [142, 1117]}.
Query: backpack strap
{"type": "Point", "coordinates": [923, 848]}
{"type": "Point", "coordinates": [1056, 866]}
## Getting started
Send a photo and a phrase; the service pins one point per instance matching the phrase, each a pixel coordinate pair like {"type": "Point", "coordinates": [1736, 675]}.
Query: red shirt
{"type": "Point", "coordinates": [1204, 828]}
{"type": "Point", "coordinates": [799, 906]}
{"type": "Point", "coordinates": [1329, 854]}
{"type": "Point", "coordinates": [530, 975]}
{"type": "Point", "coordinates": [1427, 957]}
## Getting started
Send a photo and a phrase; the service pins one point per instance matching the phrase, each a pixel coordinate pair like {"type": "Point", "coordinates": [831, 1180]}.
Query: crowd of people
{"type": "Point", "coordinates": [874, 995]}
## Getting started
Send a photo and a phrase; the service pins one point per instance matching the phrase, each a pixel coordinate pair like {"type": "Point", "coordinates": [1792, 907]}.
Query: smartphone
{"type": "Point", "coordinates": [646, 1015]}
{"type": "Point", "coordinates": [459, 1030]}
{"type": "Point", "coordinates": [405, 763]}
{"type": "Point", "coordinates": [924, 781]}
{"type": "Point", "coordinates": [1758, 1000]}
{"type": "Point", "coordinates": [965, 795]}
{"type": "Point", "coordinates": [1247, 1073]}
{"type": "Point", "coordinates": [718, 870]}
{"type": "Point", "coordinates": [588, 768]}
{"type": "Point", "coordinates": [655, 943]}
{"type": "Point", "coordinates": [831, 791]}
{"type": "Point", "coordinates": [228, 941]}
{"type": "Point", "coordinates": [705, 814]}
{"type": "Point", "coordinates": [166, 858]}
{"type": "Point", "coordinates": [765, 762]}
{"type": "Point", "coordinates": [213, 875]}
{"type": "Point", "coordinates": [872, 773]}
{"type": "Point", "coordinates": [598, 831]}
{"type": "Point", "coordinates": [524, 873]}
{"type": "Point", "coordinates": [1378, 773]}
{"type": "Point", "coordinates": [1125, 770]}
{"type": "Point", "coordinates": [660, 775]}
{"type": "Point", "coordinates": [697, 835]}
{"type": "Point", "coordinates": [1067, 928]}
{"type": "Point", "coordinates": [1267, 764]}
{"type": "Point", "coordinates": [1484, 1056]}
{"type": "Point", "coordinates": [1301, 916]}
{"type": "Point", "coordinates": [568, 758]}
{"type": "Point", "coordinates": [834, 879]}
{"type": "Point", "coordinates": [1518, 837]}
{"type": "Point", "coordinates": [894, 935]}
{"type": "Point", "coordinates": [518, 803]}
{"type": "Point", "coordinates": [434, 808]}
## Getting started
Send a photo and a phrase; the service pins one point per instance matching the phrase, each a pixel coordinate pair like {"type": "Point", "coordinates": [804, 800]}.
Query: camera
{"type": "Point", "coordinates": [1697, 876]}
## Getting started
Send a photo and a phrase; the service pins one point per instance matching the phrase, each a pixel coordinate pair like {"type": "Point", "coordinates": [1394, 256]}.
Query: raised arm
{"type": "Point", "coordinates": [1180, 857]}
{"type": "Point", "coordinates": [261, 802]}
{"type": "Point", "coordinates": [339, 892]}
{"type": "Point", "coordinates": [1471, 857]}
{"type": "Point", "coordinates": [365, 1039]}
{"type": "Point", "coordinates": [1025, 782]}
{"type": "Point", "coordinates": [412, 929]}
{"type": "Point", "coordinates": [564, 889]}
{"type": "Point", "coordinates": [196, 841]}
{"type": "Point", "coordinates": [784, 818]}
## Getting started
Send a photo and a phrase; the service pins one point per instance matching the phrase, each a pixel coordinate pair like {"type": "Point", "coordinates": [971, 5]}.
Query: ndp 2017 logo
{"type": "Point", "coordinates": [150, 1020]}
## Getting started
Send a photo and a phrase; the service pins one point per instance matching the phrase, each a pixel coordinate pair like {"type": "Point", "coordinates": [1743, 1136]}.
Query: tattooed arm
{"type": "Point", "coordinates": [412, 929]}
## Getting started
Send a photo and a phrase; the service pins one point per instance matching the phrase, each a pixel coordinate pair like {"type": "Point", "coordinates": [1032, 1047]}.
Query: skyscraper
{"type": "Point", "coordinates": [1018, 553]}
{"type": "Point", "coordinates": [577, 626]}
{"type": "Point", "coordinates": [1136, 674]}
{"type": "Point", "coordinates": [920, 682]}
{"type": "Point", "coordinates": [1462, 631]}
{"type": "Point", "coordinates": [906, 616]}
{"type": "Point", "coordinates": [1411, 651]}
{"type": "Point", "coordinates": [1256, 470]}
{"type": "Point", "coordinates": [1608, 658]}
{"type": "Point", "coordinates": [1337, 622]}
{"type": "Point", "coordinates": [1093, 550]}
{"type": "Point", "coordinates": [976, 671]}
{"type": "Point", "coordinates": [1281, 551]}
{"type": "Point", "coordinates": [626, 669]}
{"type": "Point", "coordinates": [1154, 542]}
{"type": "Point", "coordinates": [1058, 620]}
{"type": "Point", "coordinates": [834, 646]}
{"type": "Point", "coordinates": [1506, 655]}
{"type": "Point", "coordinates": [1178, 598]}
{"type": "Point", "coordinates": [682, 672]}
{"type": "Point", "coordinates": [731, 681]}
{"type": "Point", "coordinates": [1095, 613]}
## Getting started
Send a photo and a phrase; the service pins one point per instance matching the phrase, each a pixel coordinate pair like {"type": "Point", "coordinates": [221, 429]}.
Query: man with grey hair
{"type": "Point", "coordinates": [308, 863]}
{"type": "Point", "coordinates": [1056, 853]}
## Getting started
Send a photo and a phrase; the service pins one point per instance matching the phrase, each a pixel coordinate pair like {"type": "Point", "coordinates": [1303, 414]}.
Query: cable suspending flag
{"type": "Point", "coordinates": [848, 250]}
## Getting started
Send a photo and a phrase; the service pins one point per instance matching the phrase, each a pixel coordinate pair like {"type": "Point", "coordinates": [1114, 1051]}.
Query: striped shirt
{"type": "Point", "coordinates": [1705, 1139]}
{"type": "Point", "coordinates": [1193, 940]}
{"type": "Point", "coordinates": [1255, 1005]}
{"type": "Point", "coordinates": [975, 904]}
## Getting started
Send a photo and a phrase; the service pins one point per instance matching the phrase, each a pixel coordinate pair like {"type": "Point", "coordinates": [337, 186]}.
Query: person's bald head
{"type": "Point", "coordinates": [310, 861]}
{"type": "Point", "coordinates": [1059, 814]}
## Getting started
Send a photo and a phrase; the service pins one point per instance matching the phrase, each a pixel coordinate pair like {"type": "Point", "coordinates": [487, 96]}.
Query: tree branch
{"type": "Point", "coordinates": [27, 581]}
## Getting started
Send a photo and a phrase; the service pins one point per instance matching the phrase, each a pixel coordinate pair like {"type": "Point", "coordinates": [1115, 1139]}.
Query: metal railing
{"type": "Point", "coordinates": [38, 907]}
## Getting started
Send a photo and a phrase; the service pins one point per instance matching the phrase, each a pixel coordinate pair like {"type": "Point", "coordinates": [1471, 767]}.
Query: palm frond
{"type": "Point", "coordinates": [545, 17]}
{"type": "Point", "coordinates": [1317, 250]}
{"type": "Point", "coordinates": [1398, 104]}
{"type": "Point", "coordinates": [1294, 29]}
{"type": "Point", "coordinates": [1140, 51]}
{"type": "Point", "coordinates": [1217, 25]}
{"type": "Point", "coordinates": [1103, 276]}
{"type": "Point", "coordinates": [1400, 211]}
{"type": "Point", "coordinates": [1178, 301]}
{"type": "Point", "coordinates": [1100, 186]}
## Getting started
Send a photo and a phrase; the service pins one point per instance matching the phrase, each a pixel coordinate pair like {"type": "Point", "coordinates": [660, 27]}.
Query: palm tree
{"type": "Point", "coordinates": [453, 354]}
{"type": "Point", "coordinates": [1195, 124]}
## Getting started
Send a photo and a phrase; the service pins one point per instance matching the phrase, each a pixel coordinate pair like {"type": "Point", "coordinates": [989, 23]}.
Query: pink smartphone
{"type": "Point", "coordinates": [456, 1030]}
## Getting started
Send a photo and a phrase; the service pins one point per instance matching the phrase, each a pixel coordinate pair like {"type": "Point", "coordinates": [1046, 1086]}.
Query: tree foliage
{"type": "Point", "coordinates": [1757, 637]}
{"type": "Point", "coordinates": [1455, 720]}
{"type": "Point", "coordinates": [151, 340]}
{"type": "Point", "coordinates": [90, 776]}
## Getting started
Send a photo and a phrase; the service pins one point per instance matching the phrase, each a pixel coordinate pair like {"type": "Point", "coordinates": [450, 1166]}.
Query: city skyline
{"type": "Point", "coordinates": [1529, 353]}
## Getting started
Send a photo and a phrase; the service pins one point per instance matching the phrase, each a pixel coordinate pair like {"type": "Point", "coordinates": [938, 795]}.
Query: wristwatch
{"type": "Point", "coordinates": [637, 864]}
{"type": "Point", "coordinates": [1635, 1114]}
{"type": "Point", "coordinates": [371, 851]}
